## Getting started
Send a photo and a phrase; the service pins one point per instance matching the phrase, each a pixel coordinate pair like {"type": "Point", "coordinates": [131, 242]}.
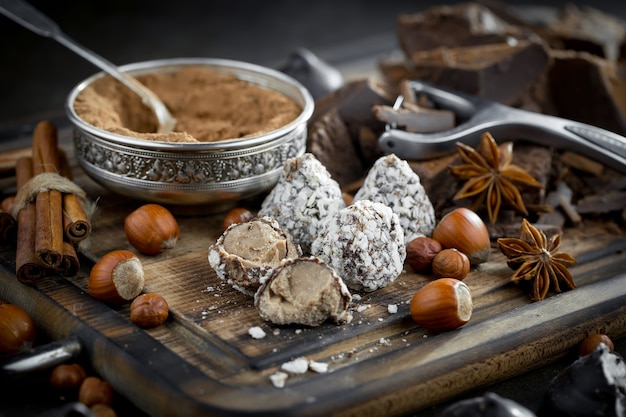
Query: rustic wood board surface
{"type": "Point", "coordinates": [204, 362]}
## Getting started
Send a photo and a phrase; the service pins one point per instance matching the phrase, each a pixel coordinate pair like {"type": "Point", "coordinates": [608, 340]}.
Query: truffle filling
{"type": "Point", "coordinates": [256, 242]}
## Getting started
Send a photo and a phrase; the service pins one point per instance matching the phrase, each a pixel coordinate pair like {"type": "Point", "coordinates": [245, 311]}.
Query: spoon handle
{"type": "Point", "coordinates": [26, 15]}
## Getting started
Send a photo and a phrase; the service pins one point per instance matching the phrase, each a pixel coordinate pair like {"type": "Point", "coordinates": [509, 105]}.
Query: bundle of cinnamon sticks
{"type": "Point", "coordinates": [49, 209]}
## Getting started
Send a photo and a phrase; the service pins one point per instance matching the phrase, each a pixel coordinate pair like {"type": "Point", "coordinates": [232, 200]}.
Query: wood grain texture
{"type": "Point", "coordinates": [202, 361]}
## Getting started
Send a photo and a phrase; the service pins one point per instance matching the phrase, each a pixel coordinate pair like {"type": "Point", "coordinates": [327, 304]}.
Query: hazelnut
{"type": "Point", "coordinates": [94, 390]}
{"type": "Point", "coordinates": [590, 344]}
{"type": "Point", "coordinates": [117, 277]}
{"type": "Point", "coordinates": [151, 229]}
{"type": "Point", "coordinates": [451, 263]}
{"type": "Point", "coordinates": [17, 330]}
{"type": "Point", "coordinates": [443, 304]}
{"type": "Point", "coordinates": [236, 216]}
{"type": "Point", "coordinates": [149, 310]}
{"type": "Point", "coordinates": [70, 375]}
{"type": "Point", "coordinates": [421, 251]}
{"type": "Point", "coordinates": [464, 230]}
{"type": "Point", "coordinates": [102, 410]}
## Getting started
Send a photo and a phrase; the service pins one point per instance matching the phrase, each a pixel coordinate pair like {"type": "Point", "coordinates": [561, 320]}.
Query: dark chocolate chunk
{"type": "Point", "coordinates": [593, 385]}
{"type": "Point", "coordinates": [489, 405]}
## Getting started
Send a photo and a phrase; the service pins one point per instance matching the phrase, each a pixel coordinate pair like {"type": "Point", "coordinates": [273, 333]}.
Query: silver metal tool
{"type": "Point", "coordinates": [477, 115]}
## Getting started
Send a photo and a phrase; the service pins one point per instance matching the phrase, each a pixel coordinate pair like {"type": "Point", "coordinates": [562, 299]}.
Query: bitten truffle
{"type": "Point", "coordinates": [364, 243]}
{"type": "Point", "coordinates": [245, 252]}
{"type": "Point", "coordinates": [392, 182]}
{"type": "Point", "coordinates": [303, 291]}
{"type": "Point", "coordinates": [303, 198]}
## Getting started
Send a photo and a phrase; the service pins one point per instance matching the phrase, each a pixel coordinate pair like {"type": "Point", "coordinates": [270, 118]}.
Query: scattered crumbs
{"type": "Point", "coordinates": [276, 332]}
{"type": "Point", "coordinates": [363, 307]}
{"type": "Point", "coordinates": [380, 319]}
{"type": "Point", "coordinates": [209, 289]}
{"type": "Point", "coordinates": [319, 367]}
{"type": "Point", "coordinates": [297, 366]}
{"type": "Point", "coordinates": [356, 297]}
{"type": "Point", "coordinates": [275, 350]}
{"type": "Point", "coordinates": [279, 378]}
{"type": "Point", "coordinates": [392, 308]}
{"type": "Point", "coordinates": [256, 332]}
{"type": "Point", "coordinates": [384, 341]}
{"type": "Point", "coordinates": [425, 336]}
{"type": "Point", "coordinates": [298, 331]}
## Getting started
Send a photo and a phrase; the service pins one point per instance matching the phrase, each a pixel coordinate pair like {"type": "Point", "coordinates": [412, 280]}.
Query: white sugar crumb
{"type": "Point", "coordinates": [319, 367]}
{"type": "Point", "coordinates": [361, 308]}
{"type": "Point", "coordinates": [279, 378]}
{"type": "Point", "coordinates": [296, 366]}
{"type": "Point", "coordinates": [392, 308]}
{"type": "Point", "coordinates": [256, 332]}
{"type": "Point", "coordinates": [392, 182]}
{"type": "Point", "coordinates": [384, 342]}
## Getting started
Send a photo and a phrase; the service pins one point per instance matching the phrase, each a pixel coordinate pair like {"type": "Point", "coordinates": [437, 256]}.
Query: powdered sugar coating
{"type": "Point", "coordinates": [304, 196]}
{"type": "Point", "coordinates": [364, 243]}
{"type": "Point", "coordinates": [392, 182]}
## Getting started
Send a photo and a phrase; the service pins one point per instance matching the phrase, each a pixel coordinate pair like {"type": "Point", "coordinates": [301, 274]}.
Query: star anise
{"type": "Point", "coordinates": [534, 258]}
{"type": "Point", "coordinates": [491, 175]}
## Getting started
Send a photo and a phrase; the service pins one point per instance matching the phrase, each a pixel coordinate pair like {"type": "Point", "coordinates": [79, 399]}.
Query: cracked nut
{"type": "Point", "coordinates": [464, 230]}
{"type": "Point", "coordinates": [117, 277]}
{"type": "Point", "coordinates": [420, 253]}
{"type": "Point", "coordinates": [151, 229]}
{"type": "Point", "coordinates": [443, 304]}
{"type": "Point", "coordinates": [451, 263]}
{"type": "Point", "coordinates": [149, 310]}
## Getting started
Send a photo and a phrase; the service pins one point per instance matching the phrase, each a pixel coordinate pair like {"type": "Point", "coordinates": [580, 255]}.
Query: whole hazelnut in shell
{"type": "Point", "coordinates": [149, 310]}
{"type": "Point", "coordinates": [451, 263]}
{"type": "Point", "coordinates": [117, 277]}
{"type": "Point", "coordinates": [17, 330]}
{"type": "Point", "coordinates": [464, 230]}
{"type": "Point", "coordinates": [151, 229]}
{"type": "Point", "coordinates": [421, 251]}
{"type": "Point", "coordinates": [442, 304]}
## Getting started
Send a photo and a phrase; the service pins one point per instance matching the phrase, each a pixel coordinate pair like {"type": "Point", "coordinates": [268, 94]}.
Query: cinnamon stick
{"type": "Point", "coordinates": [27, 266]}
{"type": "Point", "coordinates": [76, 224]}
{"type": "Point", "coordinates": [48, 204]}
{"type": "Point", "coordinates": [8, 223]}
{"type": "Point", "coordinates": [70, 264]}
{"type": "Point", "coordinates": [9, 158]}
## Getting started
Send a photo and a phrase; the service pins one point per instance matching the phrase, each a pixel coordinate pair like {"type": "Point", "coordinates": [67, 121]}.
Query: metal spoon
{"type": "Point", "coordinates": [32, 19]}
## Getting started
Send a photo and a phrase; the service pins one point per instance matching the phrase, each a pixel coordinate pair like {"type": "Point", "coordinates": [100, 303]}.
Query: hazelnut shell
{"type": "Point", "coordinates": [464, 230]}
{"type": "Point", "coordinates": [443, 304]}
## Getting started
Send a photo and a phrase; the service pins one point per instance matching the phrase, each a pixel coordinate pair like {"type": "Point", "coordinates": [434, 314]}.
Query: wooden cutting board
{"type": "Point", "coordinates": [204, 362]}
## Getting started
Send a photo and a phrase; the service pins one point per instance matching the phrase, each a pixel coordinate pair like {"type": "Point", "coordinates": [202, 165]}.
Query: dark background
{"type": "Point", "coordinates": [36, 74]}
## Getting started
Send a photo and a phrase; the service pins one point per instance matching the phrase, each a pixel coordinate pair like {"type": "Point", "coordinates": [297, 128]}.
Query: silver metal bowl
{"type": "Point", "coordinates": [207, 173]}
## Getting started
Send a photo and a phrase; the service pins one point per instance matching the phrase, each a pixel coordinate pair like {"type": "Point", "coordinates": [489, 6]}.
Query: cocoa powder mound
{"type": "Point", "coordinates": [209, 106]}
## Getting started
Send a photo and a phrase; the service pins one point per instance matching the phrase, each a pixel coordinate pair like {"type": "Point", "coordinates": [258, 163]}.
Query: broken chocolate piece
{"type": "Point", "coordinates": [327, 138]}
{"type": "Point", "coordinates": [588, 89]}
{"type": "Point", "coordinates": [593, 385]}
{"type": "Point", "coordinates": [245, 252]}
{"type": "Point", "coordinates": [502, 72]}
{"type": "Point", "coordinates": [586, 29]}
{"type": "Point", "coordinates": [489, 405]}
{"type": "Point", "coordinates": [466, 24]}
{"type": "Point", "coordinates": [415, 119]}
{"type": "Point", "coordinates": [303, 291]}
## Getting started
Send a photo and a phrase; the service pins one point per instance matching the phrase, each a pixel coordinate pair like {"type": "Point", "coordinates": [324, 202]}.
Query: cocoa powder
{"type": "Point", "coordinates": [208, 106]}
